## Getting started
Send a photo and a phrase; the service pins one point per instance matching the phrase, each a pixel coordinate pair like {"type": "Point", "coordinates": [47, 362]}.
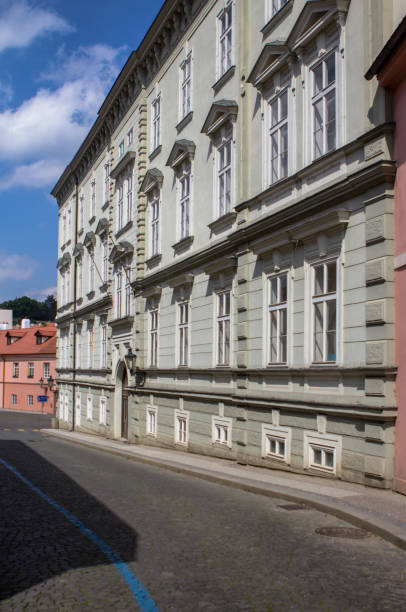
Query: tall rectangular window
{"type": "Point", "coordinates": [30, 400]}
{"type": "Point", "coordinates": [223, 327]}
{"type": "Point", "coordinates": [153, 337]}
{"type": "Point", "coordinates": [30, 372]}
{"type": "Point", "coordinates": [324, 106]}
{"type": "Point", "coordinates": [120, 206]}
{"type": "Point", "coordinates": [46, 370]}
{"type": "Point", "coordinates": [78, 346]}
{"type": "Point", "coordinates": [324, 311]}
{"type": "Point", "coordinates": [183, 331]}
{"type": "Point", "coordinates": [106, 182]}
{"type": "Point", "coordinates": [127, 292]}
{"type": "Point", "coordinates": [181, 427]}
{"type": "Point", "coordinates": [156, 122]}
{"type": "Point", "coordinates": [103, 360]}
{"type": "Point", "coordinates": [130, 137]}
{"type": "Point", "coordinates": [80, 278]}
{"type": "Point", "coordinates": [103, 410]}
{"type": "Point", "coordinates": [78, 408]}
{"type": "Point", "coordinates": [121, 149]}
{"type": "Point", "coordinates": [154, 219]}
{"type": "Point", "coordinates": [91, 270]}
{"type": "Point", "coordinates": [129, 198]}
{"type": "Point", "coordinates": [89, 408]}
{"type": "Point", "coordinates": [67, 285]}
{"type": "Point", "coordinates": [90, 347]}
{"type": "Point", "coordinates": [278, 318]}
{"type": "Point", "coordinates": [185, 85]}
{"type": "Point", "coordinates": [13, 399]}
{"type": "Point", "coordinates": [119, 288]}
{"type": "Point", "coordinates": [225, 39]}
{"type": "Point", "coordinates": [81, 212]}
{"type": "Point", "coordinates": [105, 259]}
{"type": "Point", "coordinates": [278, 137]}
{"type": "Point", "coordinates": [16, 370]}
{"type": "Point", "coordinates": [224, 177]}
{"type": "Point", "coordinates": [151, 421]}
{"type": "Point", "coordinates": [184, 204]}
{"type": "Point", "coordinates": [93, 199]}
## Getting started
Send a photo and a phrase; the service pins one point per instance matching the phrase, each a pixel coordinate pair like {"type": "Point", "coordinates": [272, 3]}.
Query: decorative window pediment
{"type": "Point", "coordinates": [120, 250]}
{"type": "Point", "coordinates": [220, 113]}
{"type": "Point", "coordinates": [102, 226]}
{"type": "Point", "coordinates": [153, 178]}
{"type": "Point", "coordinates": [314, 18]}
{"type": "Point", "coordinates": [122, 164]}
{"type": "Point", "coordinates": [182, 280]}
{"type": "Point", "coordinates": [63, 261]}
{"type": "Point", "coordinates": [78, 250]}
{"type": "Point", "coordinates": [89, 240]}
{"type": "Point", "coordinates": [181, 150]}
{"type": "Point", "coordinates": [272, 57]}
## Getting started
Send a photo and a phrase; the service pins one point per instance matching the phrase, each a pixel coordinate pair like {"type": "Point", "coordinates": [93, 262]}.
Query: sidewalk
{"type": "Point", "coordinates": [381, 512]}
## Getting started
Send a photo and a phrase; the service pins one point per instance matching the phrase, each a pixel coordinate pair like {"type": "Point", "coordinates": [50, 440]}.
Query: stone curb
{"type": "Point", "coordinates": [357, 517]}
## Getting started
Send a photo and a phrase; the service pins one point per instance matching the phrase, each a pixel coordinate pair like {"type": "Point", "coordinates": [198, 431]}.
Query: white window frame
{"type": "Point", "coordinates": [66, 408]}
{"type": "Point", "coordinates": [275, 130]}
{"type": "Point", "coordinates": [81, 212]}
{"type": "Point", "coordinates": [46, 369]}
{"type": "Point", "coordinates": [78, 347]}
{"type": "Point", "coordinates": [90, 347]}
{"type": "Point", "coordinates": [103, 340]}
{"type": "Point", "coordinates": [185, 80]}
{"type": "Point", "coordinates": [324, 299]}
{"type": "Point", "coordinates": [30, 400]}
{"type": "Point", "coordinates": [280, 435]}
{"type": "Point", "coordinates": [93, 199]}
{"type": "Point", "coordinates": [121, 149]}
{"type": "Point", "coordinates": [184, 191]}
{"type": "Point", "coordinates": [106, 182]}
{"type": "Point", "coordinates": [183, 332]}
{"type": "Point", "coordinates": [80, 277]}
{"type": "Point", "coordinates": [119, 293]}
{"type": "Point", "coordinates": [105, 258]}
{"type": "Point", "coordinates": [16, 369]}
{"type": "Point", "coordinates": [223, 322]}
{"type": "Point", "coordinates": [103, 410]}
{"type": "Point", "coordinates": [151, 421]}
{"type": "Point", "coordinates": [322, 96]}
{"type": "Point", "coordinates": [120, 206]}
{"type": "Point", "coordinates": [277, 308]}
{"type": "Point", "coordinates": [129, 197]}
{"type": "Point", "coordinates": [78, 408]}
{"type": "Point", "coordinates": [156, 122]}
{"type": "Point", "coordinates": [181, 427]}
{"type": "Point", "coordinates": [14, 399]}
{"type": "Point", "coordinates": [224, 173]}
{"type": "Point", "coordinates": [128, 292]}
{"type": "Point", "coordinates": [154, 205]}
{"type": "Point", "coordinates": [225, 42]}
{"type": "Point", "coordinates": [274, 6]}
{"type": "Point", "coordinates": [325, 443]}
{"type": "Point", "coordinates": [90, 255]}
{"type": "Point", "coordinates": [153, 340]}
{"type": "Point", "coordinates": [89, 408]}
{"type": "Point", "coordinates": [221, 431]}
{"type": "Point", "coordinates": [130, 136]}
{"type": "Point", "coordinates": [30, 369]}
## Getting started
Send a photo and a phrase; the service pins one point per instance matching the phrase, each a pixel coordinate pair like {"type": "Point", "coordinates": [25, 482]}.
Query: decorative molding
{"type": "Point", "coordinates": [181, 280]}
{"type": "Point", "coordinates": [220, 113]}
{"type": "Point", "coordinates": [102, 226]}
{"type": "Point", "coordinates": [153, 178]}
{"type": "Point", "coordinates": [128, 158]}
{"type": "Point", "coordinates": [183, 244]}
{"type": "Point", "coordinates": [222, 222]}
{"type": "Point", "coordinates": [155, 153]}
{"type": "Point", "coordinates": [124, 229]}
{"type": "Point", "coordinates": [181, 150]}
{"type": "Point", "coordinates": [276, 18]}
{"type": "Point", "coordinates": [120, 250]}
{"type": "Point", "coordinates": [89, 240]}
{"type": "Point", "coordinates": [272, 57]}
{"type": "Point", "coordinates": [223, 79]}
{"type": "Point", "coordinates": [184, 121]}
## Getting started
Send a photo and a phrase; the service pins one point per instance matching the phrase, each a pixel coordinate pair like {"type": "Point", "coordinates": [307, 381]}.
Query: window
{"type": "Point", "coordinates": [30, 371]}
{"type": "Point", "coordinates": [223, 327]}
{"type": "Point", "coordinates": [89, 408]}
{"type": "Point", "coordinates": [46, 370]}
{"type": "Point", "coordinates": [224, 177]}
{"type": "Point", "coordinates": [278, 137]}
{"type": "Point", "coordinates": [153, 337]}
{"type": "Point", "coordinates": [130, 137]}
{"type": "Point", "coordinates": [62, 290]}
{"type": "Point", "coordinates": [278, 318]}
{"type": "Point", "coordinates": [30, 400]}
{"type": "Point", "coordinates": [13, 399]}
{"type": "Point", "coordinates": [120, 206]}
{"type": "Point", "coordinates": [91, 269]}
{"type": "Point", "coordinates": [106, 182]}
{"type": "Point", "coordinates": [105, 259]}
{"type": "Point", "coordinates": [63, 232]}
{"type": "Point", "coordinates": [16, 370]}
{"type": "Point", "coordinates": [127, 292]}
{"type": "Point", "coordinates": [184, 202]}
{"type": "Point", "coordinates": [181, 426]}
{"type": "Point", "coordinates": [81, 212]}
{"type": "Point", "coordinates": [183, 333]}
{"type": "Point", "coordinates": [276, 442]}
{"type": "Point", "coordinates": [324, 311]}
{"type": "Point", "coordinates": [322, 451]}
{"type": "Point", "coordinates": [129, 198]}
{"type": "Point", "coordinates": [275, 6]}
{"type": "Point", "coordinates": [119, 282]}
{"type": "Point", "coordinates": [225, 39]}
{"type": "Point", "coordinates": [103, 360]}
{"type": "Point", "coordinates": [66, 414]}
{"type": "Point", "coordinates": [90, 347]}
{"type": "Point", "coordinates": [93, 199]}
{"type": "Point", "coordinates": [78, 346]}
{"type": "Point", "coordinates": [67, 285]}
{"type": "Point", "coordinates": [121, 149]}
{"type": "Point", "coordinates": [103, 409]}
{"type": "Point", "coordinates": [185, 86]}
{"type": "Point", "coordinates": [324, 106]}
{"type": "Point", "coordinates": [154, 217]}
{"type": "Point", "coordinates": [78, 409]}
{"type": "Point", "coordinates": [221, 431]}
{"type": "Point", "coordinates": [156, 122]}
{"type": "Point", "coordinates": [151, 421]}
{"type": "Point", "coordinates": [80, 278]}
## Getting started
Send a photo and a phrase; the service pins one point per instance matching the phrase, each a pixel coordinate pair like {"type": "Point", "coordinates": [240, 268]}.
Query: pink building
{"type": "Point", "coordinates": [390, 69]}
{"type": "Point", "coordinates": [27, 368]}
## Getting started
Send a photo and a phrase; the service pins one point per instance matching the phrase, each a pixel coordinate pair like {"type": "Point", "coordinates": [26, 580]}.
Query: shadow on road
{"type": "Point", "coordinates": [37, 541]}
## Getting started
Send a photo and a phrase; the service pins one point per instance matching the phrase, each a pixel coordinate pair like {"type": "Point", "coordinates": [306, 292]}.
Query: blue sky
{"type": "Point", "coordinates": [58, 60]}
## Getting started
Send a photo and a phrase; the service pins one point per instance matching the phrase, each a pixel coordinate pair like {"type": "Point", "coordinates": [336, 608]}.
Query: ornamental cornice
{"type": "Point", "coordinates": [141, 67]}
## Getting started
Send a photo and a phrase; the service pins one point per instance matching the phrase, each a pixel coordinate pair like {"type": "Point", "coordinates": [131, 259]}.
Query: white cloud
{"type": "Point", "coordinates": [21, 23]}
{"type": "Point", "coordinates": [16, 267]}
{"type": "Point", "coordinates": [42, 134]}
{"type": "Point", "coordinates": [42, 294]}
{"type": "Point", "coordinates": [6, 93]}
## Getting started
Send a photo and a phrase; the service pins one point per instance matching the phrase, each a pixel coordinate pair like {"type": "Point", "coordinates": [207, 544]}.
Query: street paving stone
{"type": "Point", "coordinates": [194, 545]}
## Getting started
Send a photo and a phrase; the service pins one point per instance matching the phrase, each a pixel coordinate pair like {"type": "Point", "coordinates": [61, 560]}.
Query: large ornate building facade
{"type": "Point", "coordinates": [229, 220]}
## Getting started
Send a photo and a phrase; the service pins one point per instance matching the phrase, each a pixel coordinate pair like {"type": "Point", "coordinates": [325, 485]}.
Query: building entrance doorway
{"type": "Point", "coordinates": [124, 406]}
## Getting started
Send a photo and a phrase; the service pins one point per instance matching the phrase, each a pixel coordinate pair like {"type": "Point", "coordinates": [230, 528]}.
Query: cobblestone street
{"type": "Point", "coordinates": [190, 543]}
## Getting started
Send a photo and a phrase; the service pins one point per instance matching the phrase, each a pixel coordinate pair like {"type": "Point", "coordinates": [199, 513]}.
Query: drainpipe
{"type": "Point", "coordinates": [74, 304]}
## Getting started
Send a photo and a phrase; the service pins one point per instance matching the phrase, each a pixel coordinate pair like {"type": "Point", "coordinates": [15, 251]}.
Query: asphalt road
{"type": "Point", "coordinates": [189, 544]}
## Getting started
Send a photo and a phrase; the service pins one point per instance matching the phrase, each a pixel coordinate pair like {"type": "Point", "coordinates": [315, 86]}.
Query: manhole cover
{"type": "Point", "coordinates": [294, 507]}
{"type": "Point", "coordinates": [343, 532]}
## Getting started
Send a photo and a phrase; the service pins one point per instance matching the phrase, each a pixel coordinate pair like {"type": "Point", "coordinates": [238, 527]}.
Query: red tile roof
{"type": "Point", "coordinates": [26, 344]}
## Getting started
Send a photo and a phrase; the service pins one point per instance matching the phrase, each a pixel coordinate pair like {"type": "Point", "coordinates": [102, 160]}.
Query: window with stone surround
{"type": "Point", "coordinates": [223, 327]}
{"type": "Point", "coordinates": [324, 311]}
{"type": "Point", "coordinates": [153, 337]}
{"type": "Point", "coordinates": [185, 87]}
{"type": "Point", "coordinates": [324, 109]}
{"type": "Point", "coordinates": [278, 136]}
{"type": "Point", "coordinates": [156, 122]}
{"type": "Point", "coordinates": [225, 39]}
{"type": "Point", "coordinates": [278, 318]}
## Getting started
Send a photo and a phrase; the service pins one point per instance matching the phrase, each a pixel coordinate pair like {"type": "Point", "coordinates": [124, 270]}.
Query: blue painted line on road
{"type": "Point", "coordinates": [138, 590]}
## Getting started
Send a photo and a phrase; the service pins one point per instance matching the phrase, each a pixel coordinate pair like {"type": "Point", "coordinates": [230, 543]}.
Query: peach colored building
{"type": "Point", "coordinates": [26, 357]}
{"type": "Point", "coordinates": [390, 69]}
